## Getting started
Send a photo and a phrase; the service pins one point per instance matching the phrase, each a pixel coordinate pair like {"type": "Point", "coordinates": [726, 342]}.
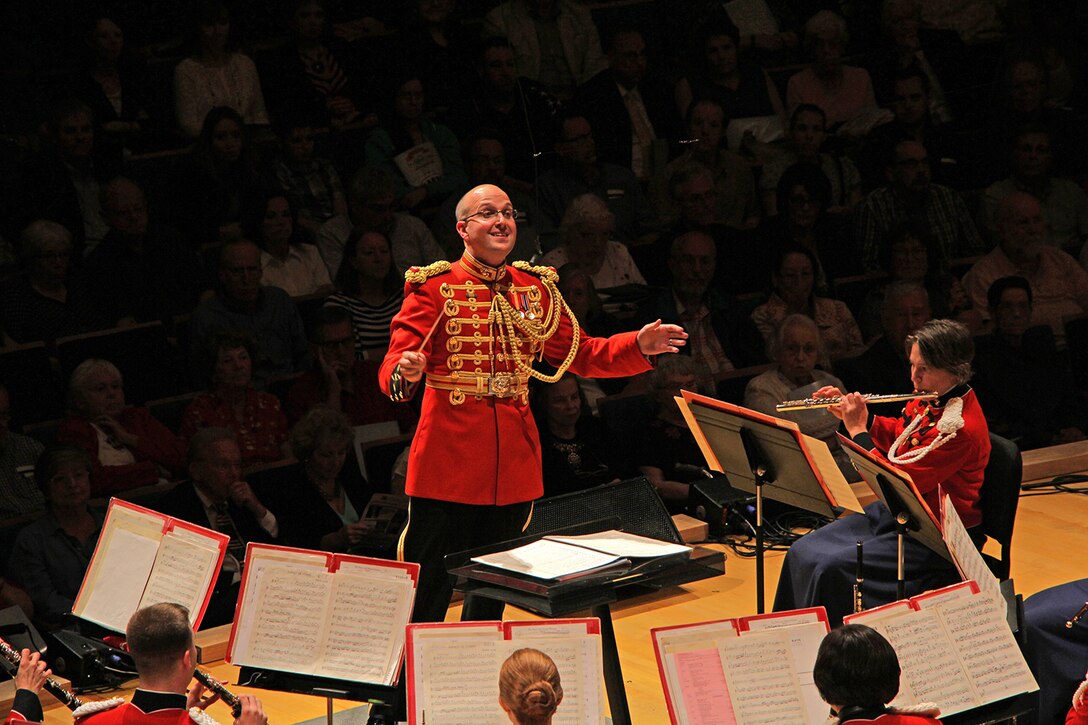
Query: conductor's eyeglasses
{"type": "Point", "coordinates": [490, 214]}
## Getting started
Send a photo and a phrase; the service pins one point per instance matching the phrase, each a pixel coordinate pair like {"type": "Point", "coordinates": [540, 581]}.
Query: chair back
{"type": "Point", "coordinates": [999, 498]}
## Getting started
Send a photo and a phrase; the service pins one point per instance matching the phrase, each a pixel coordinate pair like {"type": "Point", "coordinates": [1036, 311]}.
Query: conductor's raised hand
{"type": "Point", "coordinates": [252, 712]}
{"type": "Point", "coordinates": [656, 338]}
{"type": "Point", "coordinates": [411, 365]}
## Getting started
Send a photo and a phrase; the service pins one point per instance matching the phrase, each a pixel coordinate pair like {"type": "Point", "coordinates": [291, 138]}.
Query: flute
{"type": "Point", "coordinates": [816, 403]}
{"type": "Point", "coordinates": [50, 685]}
{"type": "Point", "coordinates": [858, 579]}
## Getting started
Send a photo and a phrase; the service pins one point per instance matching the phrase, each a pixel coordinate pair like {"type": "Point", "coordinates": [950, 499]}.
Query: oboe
{"type": "Point", "coordinates": [53, 687]}
{"type": "Point", "coordinates": [1076, 617]}
{"type": "Point", "coordinates": [858, 579]}
{"type": "Point", "coordinates": [816, 403]}
{"type": "Point", "coordinates": [228, 697]}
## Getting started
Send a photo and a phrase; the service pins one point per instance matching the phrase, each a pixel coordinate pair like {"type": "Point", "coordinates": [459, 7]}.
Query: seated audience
{"type": "Point", "coordinates": [422, 156]}
{"type": "Point", "coordinates": [52, 301]}
{"type": "Point", "coordinates": [287, 261]}
{"type": "Point", "coordinates": [126, 445]}
{"type": "Point", "coordinates": [793, 283]}
{"type": "Point", "coordinates": [309, 180]}
{"type": "Point", "coordinates": [666, 446]}
{"type": "Point", "coordinates": [857, 673]}
{"type": "Point", "coordinates": [370, 289]}
{"type": "Point", "coordinates": [905, 52]}
{"type": "Point", "coordinates": [217, 497]}
{"type": "Point", "coordinates": [883, 367]}
{"type": "Point", "coordinates": [844, 92]}
{"type": "Point", "coordinates": [214, 74]}
{"type": "Point", "coordinates": [555, 41]}
{"type": "Point", "coordinates": [582, 299]}
{"type": "Point", "coordinates": [212, 179]}
{"type": "Point", "coordinates": [324, 496]}
{"type": "Point", "coordinates": [574, 445]}
{"type": "Point", "coordinates": [530, 689]}
{"type": "Point", "coordinates": [1022, 385]}
{"type": "Point", "coordinates": [255, 417]}
{"type": "Point", "coordinates": [267, 314]}
{"type": "Point", "coordinates": [910, 195]}
{"type": "Point", "coordinates": [795, 352]}
{"type": "Point", "coordinates": [145, 271]}
{"type": "Point", "coordinates": [434, 39]}
{"type": "Point", "coordinates": [371, 202]}
{"type": "Point", "coordinates": [18, 453]}
{"type": "Point", "coordinates": [340, 381]}
{"type": "Point", "coordinates": [585, 239]}
{"type": "Point", "coordinates": [51, 555]}
{"type": "Point", "coordinates": [1059, 285]}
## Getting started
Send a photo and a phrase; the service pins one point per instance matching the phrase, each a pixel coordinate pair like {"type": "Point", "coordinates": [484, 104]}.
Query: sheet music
{"type": "Point", "coordinates": [692, 638]}
{"type": "Point", "coordinates": [363, 641]}
{"type": "Point", "coordinates": [621, 543]}
{"type": "Point", "coordinates": [965, 554]}
{"type": "Point", "coordinates": [123, 562]}
{"type": "Point", "coordinates": [762, 679]}
{"type": "Point", "coordinates": [287, 617]}
{"type": "Point", "coordinates": [837, 485]}
{"type": "Point", "coordinates": [547, 559]}
{"type": "Point", "coordinates": [932, 671]}
{"type": "Point", "coordinates": [805, 643]}
{"type": "Point", "coordinates": [580, 666]}
{"type": "Point", "coordinates": [701, 696]}
{"type": "Point", "coordinates": [456, 684]}
{"type": "Point", "coordinates": [542, 629]}
{"type": "Point", "coordinates": [374, 571]}
{"type": "Point", "coordinates": [183, 571]}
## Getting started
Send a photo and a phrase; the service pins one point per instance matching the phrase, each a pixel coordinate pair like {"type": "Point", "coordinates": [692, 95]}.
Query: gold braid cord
{"type": "Point", "coordinates": [419, 275]}
{"type": "Point", "coordinates": [504, 314]}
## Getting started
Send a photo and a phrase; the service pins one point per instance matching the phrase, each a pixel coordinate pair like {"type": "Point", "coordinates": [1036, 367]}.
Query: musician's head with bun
{"type": "Point", "coordinates": [856, 668]}
{"type": "Point", "coordinates": [160, 639]}
{"type": "Point", "coordinates": [940, 354]}
{"type": "Point", "coordinates": [529, 687]}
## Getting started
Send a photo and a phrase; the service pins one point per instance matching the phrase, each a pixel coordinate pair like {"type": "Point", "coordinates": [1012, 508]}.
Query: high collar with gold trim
{"type": "Point", "coordinates": [480, 270]}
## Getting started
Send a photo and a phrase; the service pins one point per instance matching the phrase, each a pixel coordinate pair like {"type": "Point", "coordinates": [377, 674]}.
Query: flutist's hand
{"type": "Point", "coordinates": [32, 672]}
{"type": "Point", "coordinates": [854, 413]}
{"type": "Point", "coordinates": [194, 696]}
{"type": "Point", "coordinates": [252, 712]}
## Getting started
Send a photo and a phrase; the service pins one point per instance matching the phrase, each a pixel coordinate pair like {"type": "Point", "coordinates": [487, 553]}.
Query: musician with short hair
{"type": "Point", "coordinates": [29, 678]}
{"type": "Point", "coordinates": [161, 642]}
{"type": "Point", "coordinates": [941, 442]}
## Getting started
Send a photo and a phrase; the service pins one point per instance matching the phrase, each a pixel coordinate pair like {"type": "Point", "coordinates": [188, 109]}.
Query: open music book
{"type": "Point", "coordinates": [738, 671]}
{"type": "Point", "coordinates": [143, 558]}
{"type": "Point", "coordinates": [955, 648]}
{"type": "Point", "coordinates": [328, 615]}
{"type": "Point", "coordinates": [453, 669]}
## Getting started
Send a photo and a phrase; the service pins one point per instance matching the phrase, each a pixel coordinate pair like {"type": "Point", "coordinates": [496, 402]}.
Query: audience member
{"type": "Point", "coordinates": [807, 132]}
{"type": "Point", "coordinates": [143, 270]}
{"type": "Point", "coordinates": [1059, 285]}
{"type": "Point", "coordinates": [369, 288]}
{"type": "Point", "coordinates": [217, 497]}
{"type": "Point", "coordinates": [422, 156]}
{"type": "Point", "coordinates": [255, 417]}
{"type": "Point", "coordinates": [844, 92]}
{"type": "Point", "coordinates": [634, 106]}
{"type": "Point", "coordinates": [267, 314]}
{"type": "Point", "coordinates": [519, 110]}
{"type": "Point", "coordinates": [574, 446]}
{"type": "Point", "coordinates": [436, 42]}
{"type": "Point", "coordinates": [1027, 393]}
{"type": "Point", "coordinates": [529, 687]}
{"type": "Point", "coordinates": [212, 179]}
{"type": "Point", "coordinates": [581, 172]}
{"type": "Point", "coordinates": [340, 381]}
{"type": "Point", "coordinates": [52, 301]}
{"type": "Point", "coordinates": [718, 74]}
{"type": "Point", "coordinates": [371, 200]}
{"type": "Point", "coordinates": [18, 494]}
{"type": "Point", "coordinates": [793, 282]}
{"type": "Point", "coordinates": [51, 555]}
{"type": "Point", "coordinates": [555, 41]}
{"type": "Point", "coordinates": [126, 445]}
{"type": "Point", "coordinates": [585, 238]}
{"type": "Point", "coordinates": [795, 350]}
{"type": "Point", "coordinates": [486, 157]}
{"type": "Point", "coordinates": [720, 338]}
{"type": "Point", "coordinates": [1064, 203]}
{"type": "Point", "coordinates": [883, 367]}
{"type": "Point", "coordinates": [313, 73]}
{"type": "Point", "coordinates": [287, 262]}
{"type": "Point", "coordinates": [857, 673]}
{"type": "Point", "coordinates": [910, 195]}
{"type": "Point", "coordinates": [309, 180]}
{"type": "Point", "coordinates": [214, 74]}
{"type": "Point", "coordinates": [905, 53]}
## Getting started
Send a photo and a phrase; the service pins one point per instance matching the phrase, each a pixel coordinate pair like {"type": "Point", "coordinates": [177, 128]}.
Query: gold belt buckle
{"type": "Point", "coordinates": [501, 385]}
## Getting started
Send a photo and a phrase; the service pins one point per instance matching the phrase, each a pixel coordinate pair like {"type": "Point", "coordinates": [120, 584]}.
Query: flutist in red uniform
{"type": "Point", "coordinates": [939, 442]}
{"type": "Point", "coordinates": [475, 327]}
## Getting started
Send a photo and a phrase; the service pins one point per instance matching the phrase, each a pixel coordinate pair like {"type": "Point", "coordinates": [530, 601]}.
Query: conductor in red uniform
{"type": "Point", "coordinates": [471, 330]}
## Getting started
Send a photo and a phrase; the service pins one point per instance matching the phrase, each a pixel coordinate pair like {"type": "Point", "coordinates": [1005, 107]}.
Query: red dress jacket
{"type": "Point", "coordinates": [484, 448]}
{"type": "Point", "coordinates": [957, 466]}
{"type": "Point", "coordinates": [156, 446]}
{"type": "Point", "coordinates": [129, 714]}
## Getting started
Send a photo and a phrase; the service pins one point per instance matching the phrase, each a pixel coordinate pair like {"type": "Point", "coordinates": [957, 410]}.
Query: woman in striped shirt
{"type": "Point", "coordinates": [370, 289]}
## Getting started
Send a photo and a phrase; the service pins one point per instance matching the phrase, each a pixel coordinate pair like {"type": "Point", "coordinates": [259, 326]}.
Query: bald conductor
{"type": "Point", "coordinates": [468, 334]}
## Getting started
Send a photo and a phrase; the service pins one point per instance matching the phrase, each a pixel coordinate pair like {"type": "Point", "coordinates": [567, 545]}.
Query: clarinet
{"type": "Point", "coordinates": [1076, 617]}
{"type": "Point", "coordinates": [229, 698]}
{"type": "Point", "coordinates": [858, 579]}
{"type": "Point", "coordinates": [53, 687]}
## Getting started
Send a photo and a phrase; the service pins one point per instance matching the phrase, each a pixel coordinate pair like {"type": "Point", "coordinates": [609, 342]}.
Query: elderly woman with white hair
{"type": "Point", "coordinates": [128, 448]}
{"type": "Point", "coordinates": [585, 238]}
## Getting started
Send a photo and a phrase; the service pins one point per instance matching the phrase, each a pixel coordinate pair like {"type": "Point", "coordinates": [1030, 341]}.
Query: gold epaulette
{"type": "Point", "coordinates": [542, 271]}
{"type": "Point", "coordinates": [419, 275]}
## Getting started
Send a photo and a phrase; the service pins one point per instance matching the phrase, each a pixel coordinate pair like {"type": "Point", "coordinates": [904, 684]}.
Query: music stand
{"type": "Point", "coordinates": [897, 491]}
{"type": "Point", "coordinates": [769, 457]}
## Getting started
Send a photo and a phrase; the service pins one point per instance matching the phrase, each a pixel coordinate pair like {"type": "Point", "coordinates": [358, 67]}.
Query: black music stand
{"type": "Point", "coordinates": [769, 457]}
{"type": "Point", "coordinates": [325, 687]}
